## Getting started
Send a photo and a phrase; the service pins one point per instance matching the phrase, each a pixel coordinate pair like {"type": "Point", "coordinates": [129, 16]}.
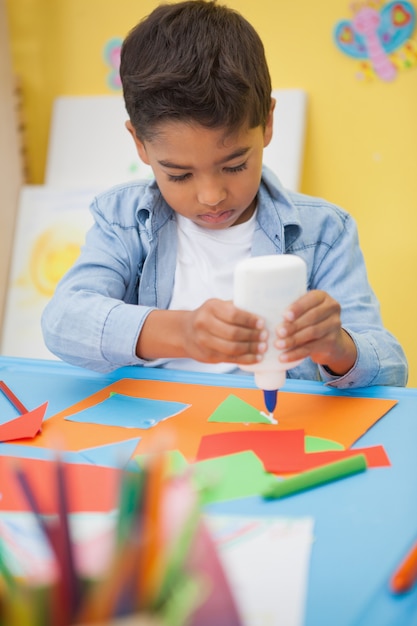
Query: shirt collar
{"type": "Point", "coordinates": [278, 215]}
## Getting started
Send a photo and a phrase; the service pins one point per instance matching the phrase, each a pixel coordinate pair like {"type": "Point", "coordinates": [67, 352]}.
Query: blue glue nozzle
{"type": "Point", "coordinates": [270, 398]}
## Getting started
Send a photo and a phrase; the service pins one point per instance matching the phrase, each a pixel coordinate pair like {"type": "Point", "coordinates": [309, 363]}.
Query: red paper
{"type": "Point", "coordinates": [285, 447]}
{"type": "Point", "coordinates": [25, 426]}
{"type": "Point", "coordinates": [282, 452]}
{"type": "Point", "coordinates": [89, 487]}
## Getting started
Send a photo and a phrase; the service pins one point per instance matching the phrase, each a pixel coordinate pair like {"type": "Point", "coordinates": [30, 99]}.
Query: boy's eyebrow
{"type": "Point", "coordinates": [234, 155]}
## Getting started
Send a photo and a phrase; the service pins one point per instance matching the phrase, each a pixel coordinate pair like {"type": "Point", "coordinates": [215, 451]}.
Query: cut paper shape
{"type": "Point", "coordinates": [233, 410]}
{"type": "Point", "coordinates": [230, 477]}
{"type": "Point", "coordinates": [25, 426]}
{"type": "Point", "coordinates": [115, 455]}
{"type": "Point", "coordinates": [342, 418]}
{"type": "Point", "coordinates": [318, 444]}
{"type": "Point", "coordinates": [112, 455]}
{"type": "Point", "coordinates": [283, 452]}
{"type": "Point", "coordinates": [128, 412]}
{"type": "Point", "coordinates": [271, 447]}
{"type": "Point", "coordinates": [90, 487]}
{"type": "Point", "coordinates": [267, 562]}
{"type": "Point", "coordinates": [376, 456]}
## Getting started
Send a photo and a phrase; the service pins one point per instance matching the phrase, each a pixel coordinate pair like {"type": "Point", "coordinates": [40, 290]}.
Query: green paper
{"type": "Point", "coordinates": [318, 444]}
{"type": "Point", "coordinates": [230, 477]}
{"type": "Point", "coordinates": [233, 410]}
{"type": "Point", "coordinates": [315, 477]}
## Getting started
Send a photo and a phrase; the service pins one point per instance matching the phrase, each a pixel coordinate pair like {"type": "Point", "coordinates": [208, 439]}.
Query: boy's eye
{"type": "Point", "coordinates": [178, 179]}
{"type": "Point", "coordinates": [229, 170]}
{"type": "Point", "coordinates": [236, 168]}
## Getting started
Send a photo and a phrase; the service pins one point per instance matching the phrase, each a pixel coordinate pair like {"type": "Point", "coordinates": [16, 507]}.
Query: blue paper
{"type": "Point", "coordinates": [128, 411]}
{"type": "Point", "coordinates": [116, 455]}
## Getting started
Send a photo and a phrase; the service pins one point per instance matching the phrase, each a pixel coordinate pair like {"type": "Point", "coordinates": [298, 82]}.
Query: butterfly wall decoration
{"type": "Point", "coordinates": [111, 55]}
{"type": "Point", "coordinates": [379, 37]}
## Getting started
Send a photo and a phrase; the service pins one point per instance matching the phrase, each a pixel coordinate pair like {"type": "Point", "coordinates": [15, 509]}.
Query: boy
{"type": "Point", "coordinates": [153, 284]}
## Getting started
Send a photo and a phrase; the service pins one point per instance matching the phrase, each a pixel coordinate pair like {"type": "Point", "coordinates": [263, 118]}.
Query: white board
{"type": "Point", "coordinates": [89, 144]}
{"type": "Point", "coordinates": [284, 155]}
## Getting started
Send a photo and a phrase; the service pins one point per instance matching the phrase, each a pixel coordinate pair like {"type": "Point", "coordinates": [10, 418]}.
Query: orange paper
{"type": "Point", "coordinates": [340, 418]}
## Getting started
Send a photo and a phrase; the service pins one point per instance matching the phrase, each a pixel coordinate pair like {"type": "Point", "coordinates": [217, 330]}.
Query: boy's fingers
{"type": "Point", "coordinates": [236, 341]}
{"type": "Point", "coordinates": [227, 312]}
{"type": "Point", "coordinates": [311, 300]}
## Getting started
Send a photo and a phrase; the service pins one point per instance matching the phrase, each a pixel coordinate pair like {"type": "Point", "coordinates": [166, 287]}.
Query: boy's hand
{"type": "Point", "coordinates": [216, 332]}
{"type": "Point", "coordinates": [312, 328]}
{"type": "Point", "coordinates": [220, 332]}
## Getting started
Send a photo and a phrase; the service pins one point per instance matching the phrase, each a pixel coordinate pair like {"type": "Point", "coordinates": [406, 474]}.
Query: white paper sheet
{"type": "Point", "coordinates": [50, 229]}
{"type": "Point", "coordinates": [267, 562]}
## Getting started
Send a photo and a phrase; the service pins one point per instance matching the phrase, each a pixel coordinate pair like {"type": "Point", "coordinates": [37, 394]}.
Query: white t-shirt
{"type": "Point", "coordinates": [206, 260]}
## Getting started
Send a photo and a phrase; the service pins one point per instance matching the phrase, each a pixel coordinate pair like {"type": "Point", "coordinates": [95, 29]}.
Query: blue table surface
{"type": "Point", "coordinates": [363, 525]}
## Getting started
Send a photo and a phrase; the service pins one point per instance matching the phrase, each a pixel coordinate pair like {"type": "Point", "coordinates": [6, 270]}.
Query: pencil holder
{"type": "Point", "coordinates": [161, 569]}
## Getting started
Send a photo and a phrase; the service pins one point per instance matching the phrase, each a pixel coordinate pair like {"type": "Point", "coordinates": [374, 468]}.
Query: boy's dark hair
{"type": "Point", "coordinates": [194, 61]}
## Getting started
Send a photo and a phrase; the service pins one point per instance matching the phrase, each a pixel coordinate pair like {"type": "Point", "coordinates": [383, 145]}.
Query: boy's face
{"type": "Point", "coordinates": [210, 177]}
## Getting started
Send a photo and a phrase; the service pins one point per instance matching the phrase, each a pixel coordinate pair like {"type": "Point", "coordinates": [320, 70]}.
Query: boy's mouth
{"type": "Point", "coordinates": [216, 218]}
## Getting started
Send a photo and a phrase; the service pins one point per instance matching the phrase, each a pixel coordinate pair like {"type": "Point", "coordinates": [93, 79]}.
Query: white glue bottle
{"type": "Point", "coordinates": [267, 285]}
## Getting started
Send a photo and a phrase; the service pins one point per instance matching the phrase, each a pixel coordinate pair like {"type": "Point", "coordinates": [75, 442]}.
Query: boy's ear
{"type": "Point", "coordinates": [141, 150]}
{"type": "Point", "coordinates": [269, 127]}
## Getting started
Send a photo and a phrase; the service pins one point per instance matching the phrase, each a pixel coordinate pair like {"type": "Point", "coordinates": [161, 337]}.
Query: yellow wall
{"type": "Point", "coordinates": [361, 136]}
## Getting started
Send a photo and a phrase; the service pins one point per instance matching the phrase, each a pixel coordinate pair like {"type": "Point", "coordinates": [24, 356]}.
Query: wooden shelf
{"type": "Point", "coordinates": [11, 162]}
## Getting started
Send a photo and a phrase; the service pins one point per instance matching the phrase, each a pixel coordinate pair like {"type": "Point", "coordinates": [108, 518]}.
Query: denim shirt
{"type": "Point", "coordinates": [127, 266]}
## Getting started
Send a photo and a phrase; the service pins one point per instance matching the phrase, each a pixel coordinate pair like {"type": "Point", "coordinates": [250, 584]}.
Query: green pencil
{"type": "Point", "coordinates": [315, 477]}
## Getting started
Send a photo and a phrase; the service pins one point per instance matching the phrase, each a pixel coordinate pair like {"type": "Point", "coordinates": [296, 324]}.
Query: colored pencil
{"type": "Point", "coordinates": [316, 477]}
{"type": "Point", "coordinates": [67, 595]}
{"type": "Point", "coordinates": [14, 400]}
{"type": "Point", "coordinates": [405, 576]}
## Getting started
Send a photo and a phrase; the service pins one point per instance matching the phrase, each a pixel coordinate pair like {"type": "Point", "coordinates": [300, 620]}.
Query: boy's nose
{"type": "Point", "coordinates": [211, 195]}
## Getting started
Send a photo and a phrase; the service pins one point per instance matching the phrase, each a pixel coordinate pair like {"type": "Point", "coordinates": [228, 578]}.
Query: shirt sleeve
{"type": "Point", "coordinates": [93, 320]}
{"type": "Point", "coordinates": [342, 273]}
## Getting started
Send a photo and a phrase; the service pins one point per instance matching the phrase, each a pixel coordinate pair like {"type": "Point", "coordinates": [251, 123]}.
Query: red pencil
{"type": "Point", "coordinates": [12, 398]}
{"type": "Point", "coordinates": [405, 575]}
